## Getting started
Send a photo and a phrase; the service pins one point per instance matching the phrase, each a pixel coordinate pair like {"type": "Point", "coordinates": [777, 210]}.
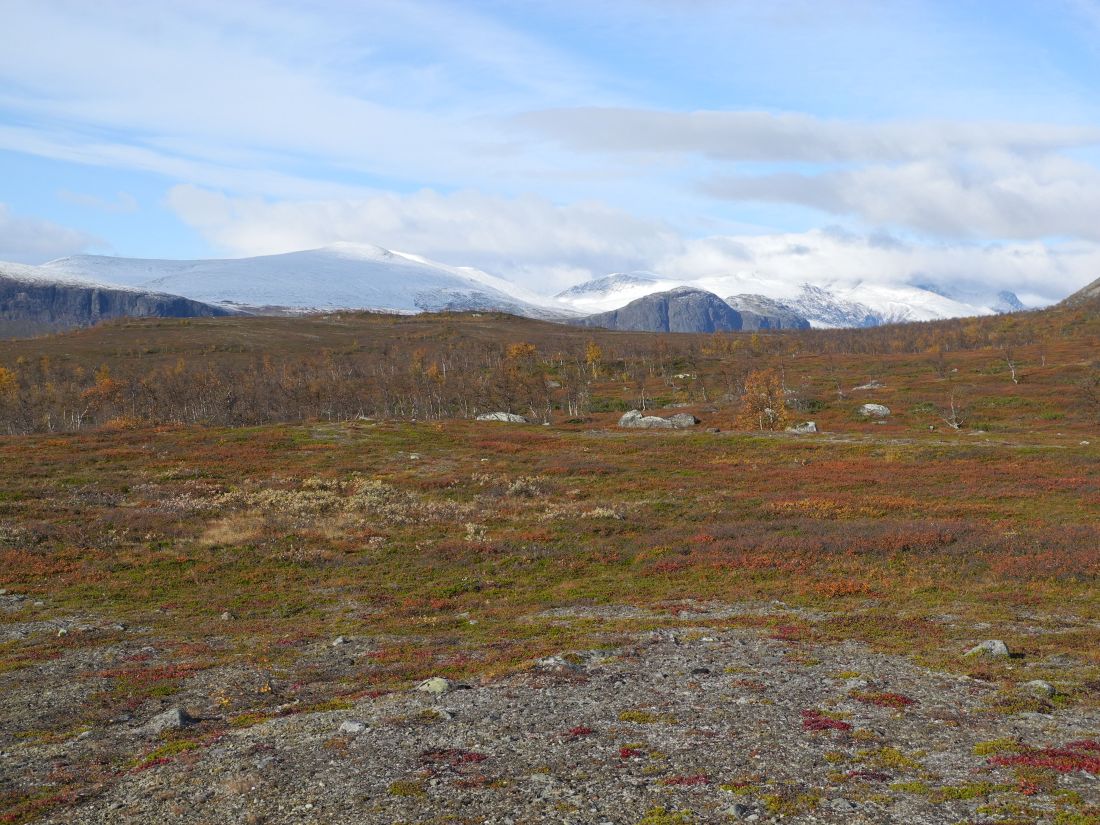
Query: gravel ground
{"type": "Point", "coordinates": [673, 727]}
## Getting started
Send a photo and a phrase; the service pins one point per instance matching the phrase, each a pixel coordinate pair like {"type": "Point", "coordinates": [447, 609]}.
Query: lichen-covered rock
{"type": "Point", "coordinates": [873, 411]}
{"type": "Point", "coordinates": [990, 647]}
{"type": "Point", "coordinates": [804, 428]}
{"type": "Point", "coordinates": [682, 421]}
{"type": "Point", "coordinates": [1040, 688]}
{"type": "Point", "coordinates": [436, 686]}
{"type": "Point", "coordinates": [634, 419]}
{"type": "Point", "coordinates": [173, 719]}
{"type": "Point", "coordinates": [507, 417]}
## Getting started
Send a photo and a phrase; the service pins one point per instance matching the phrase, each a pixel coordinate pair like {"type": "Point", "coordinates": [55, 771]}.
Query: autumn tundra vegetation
{"type": "Point", "coordinates": [191, 508]}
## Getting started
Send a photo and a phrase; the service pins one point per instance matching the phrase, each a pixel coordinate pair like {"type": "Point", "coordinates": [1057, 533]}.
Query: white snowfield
{"type": "Point", "coordinates": [362, 276]}
{"type": "Point", "coordinates": [833, 304]}
{"type": "Point", "coordinates": [341, 276]}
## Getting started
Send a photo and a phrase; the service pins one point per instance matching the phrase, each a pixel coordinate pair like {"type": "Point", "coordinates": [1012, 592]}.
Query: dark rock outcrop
{"type": "Point", "coordinates": [684, 309]}
{"type": "Point", "coordinates": [760, 312]}
{"type": "Point", "coordinates": [28, 306]}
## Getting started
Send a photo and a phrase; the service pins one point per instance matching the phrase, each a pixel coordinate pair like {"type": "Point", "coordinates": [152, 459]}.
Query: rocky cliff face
{"type": "Point", "coordinates": [684, 309]}
{"type": "Point", "coordinates": [29, 306]}
{"type": "Point", "coordinates": [760, 312]}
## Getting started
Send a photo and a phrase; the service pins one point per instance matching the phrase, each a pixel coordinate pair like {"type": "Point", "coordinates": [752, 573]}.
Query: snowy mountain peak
{"type": "Point", "coordinates": [339, 276]}
{"type": "Point", "coordinates": [609, 284]}
{"type": "Point", "coordinates": [366, 276]}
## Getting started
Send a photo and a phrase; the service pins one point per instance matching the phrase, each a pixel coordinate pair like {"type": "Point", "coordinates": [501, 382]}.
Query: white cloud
{"type": "Point", "coordinates": [528, 239]}
{"type": "Point", "coordinates": [1040, 273]}
{"type": "Point", "coordinates": [792, 137]}
{"type": "Point", "coordinates": [994, 195]}
{"type": "Point", "coordinates": [250, 93]}
{"type": "Point", "coordinates": [546, 247]}
{"type": "Point", "coordinates": [122, 204]}
{"type": "Point", "coordinates": [33, 240]}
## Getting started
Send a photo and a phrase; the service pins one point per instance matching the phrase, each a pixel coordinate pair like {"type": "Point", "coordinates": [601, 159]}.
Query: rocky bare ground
{"type": "Point", "coordinates": [685, 725]}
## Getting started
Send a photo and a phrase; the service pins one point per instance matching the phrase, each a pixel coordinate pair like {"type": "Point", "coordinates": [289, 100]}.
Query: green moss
{"type": "Point", "coordinates": [788, 802]}
{"type": "Point", "coordinates": [970, 790]}
{"type": "Point", "coordinates": [994, 746]}
{"type": "Point", "coordinates": [914, 787]}
{"type": "Point", "coordinates": [888, 758]}
{"type": "Point", "coordinates": [662, 816]}
{"type": "Point", "coordinates": [407, 788]}
{"type": "Point", "coordinates": [638, 717]}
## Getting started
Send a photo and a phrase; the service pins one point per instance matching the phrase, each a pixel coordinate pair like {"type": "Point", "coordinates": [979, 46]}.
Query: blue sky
{"type": "Point", "coordinates": [549, 142]}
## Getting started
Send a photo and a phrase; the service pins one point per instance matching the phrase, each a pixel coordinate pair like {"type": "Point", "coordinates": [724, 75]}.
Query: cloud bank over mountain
{"type": "Point", "coordinates": [925, 142]}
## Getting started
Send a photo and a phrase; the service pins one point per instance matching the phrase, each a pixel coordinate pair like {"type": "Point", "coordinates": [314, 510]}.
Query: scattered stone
{"type": "Point", "coordinates": [870, 385]}
{"type": "Point", "coordinates": [804, 428]}
{"type": "Point", "coordinates": [556, 664]}
{"type": "Point", "coordinates": [508, 418]}
{"type": "Point", "coordinates": [436, 686]}
{"type": "Point", "coordinates": [352, 728]}
{"type": "Point", "coordinates": [634, 419]}
{"type": "Point", "coordinates": [1037, 687]}
{"type": "Point", "coordinates": [873, 411]}
{"type": "Point", "coordinates": [713, 430]}
{"type": "Point", "coordinates": [173, 719]}
{"type": "Point", "coordinates": [339, 640]}
{"type": "Point", "coordinates": [990, 647]}
{"type": "Point", "coordinates": [737, 811]}
{"type": "Point", "coordinates": [227, 616]}
{"type": "Point", "coordinates": [682, 421]}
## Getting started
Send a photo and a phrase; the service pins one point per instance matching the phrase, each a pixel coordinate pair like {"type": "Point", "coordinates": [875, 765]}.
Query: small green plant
{"type": "Point", "coordinates": [407, 788]}
{"type": "Point", "coordinates": [663, 816]}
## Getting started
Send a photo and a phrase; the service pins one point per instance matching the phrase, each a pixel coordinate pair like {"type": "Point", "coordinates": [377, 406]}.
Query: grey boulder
{"type": "Point", "coordinates": [804, 428]}
{"type": "Point", "coordinates": [990, 647]}
{"type": "Point", "coordinates": [874, 411]}
{"type": "Point", "coordinates": [509, 418]}
{"type": "Point", "coordinates": [634, 419]}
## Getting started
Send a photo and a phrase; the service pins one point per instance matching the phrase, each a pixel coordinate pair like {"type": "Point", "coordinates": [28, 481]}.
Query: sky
{"type": "Point", "coordinates": [952, 143]}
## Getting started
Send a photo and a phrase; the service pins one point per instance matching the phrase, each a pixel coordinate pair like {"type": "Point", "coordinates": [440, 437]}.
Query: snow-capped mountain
{"type": "Point", "coordinates": [833, 304]}
{"type": "Point", "coordinates": [33, 302]}
{"type": "Point", "coordinates": [340, 276]}
{"type": "Point", "coordinates": [362, 276]}
{"type": "Point", "coordinates": [613, 291]}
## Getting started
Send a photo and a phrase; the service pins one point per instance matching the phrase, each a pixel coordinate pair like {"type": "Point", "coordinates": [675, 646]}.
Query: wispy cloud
{"type": "Point", "coordinates": [793, 137]}
{"type": "Point", "coordinates": [33, 240]}
{"type": "Point", "coordinates": [122, 204]}
{"type": "Point", "coordinates": [546, 247]}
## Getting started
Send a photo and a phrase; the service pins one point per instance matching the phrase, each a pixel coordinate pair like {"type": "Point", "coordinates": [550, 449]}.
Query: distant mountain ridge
{"type": "Point", "coordinates": [340, 276]}
{"type": "Point", "coordinates": [760, 312]}
{"type": "Point", "coordinates": [683, 309]}
{"type": "Point", "coordinates": [361, 276]}
{"type": "Point", "coordinates": [31, 304]}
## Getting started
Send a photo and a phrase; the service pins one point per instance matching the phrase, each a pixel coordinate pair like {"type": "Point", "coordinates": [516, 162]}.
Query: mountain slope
{"type": "Point", "coordinates": [759, 312]}
{"type": "Point", "coordinates": [1087, 293]}
{"type": "Point", "coordinates": [613, 291]}
{"type": "Point", "coordinates": [683, 309]}
{"type": "Point", "coordinates": [341, 276]}
{"type": "Point", "coordinates": [31, 302]}
{"type": "Point", "coordinates": [832, 304]}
